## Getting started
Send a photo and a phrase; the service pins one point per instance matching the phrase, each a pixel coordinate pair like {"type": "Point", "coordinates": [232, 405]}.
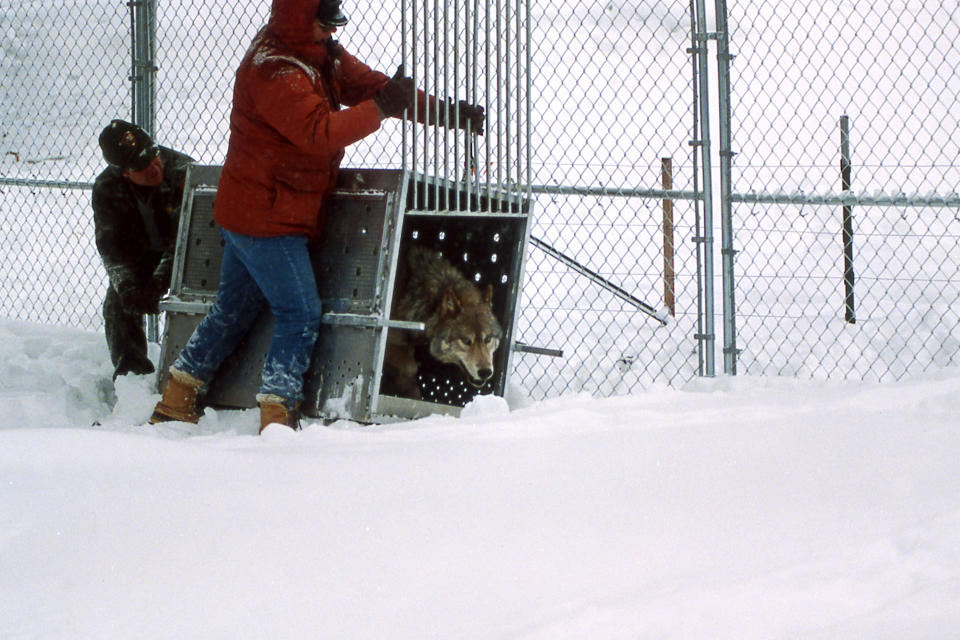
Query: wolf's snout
{"type": "Point", "coordinates": [482, 377]}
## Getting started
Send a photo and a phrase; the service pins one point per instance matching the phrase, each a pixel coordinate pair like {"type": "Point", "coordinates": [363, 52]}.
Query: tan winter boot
{"type": "Point", "coordinates": [274, 410]}
{"type": "Point", "coordinates": [179, 401]}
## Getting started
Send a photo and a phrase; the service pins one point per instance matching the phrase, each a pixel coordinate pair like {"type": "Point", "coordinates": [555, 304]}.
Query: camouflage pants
{"type": "Point", "coordinates": [126, 339]}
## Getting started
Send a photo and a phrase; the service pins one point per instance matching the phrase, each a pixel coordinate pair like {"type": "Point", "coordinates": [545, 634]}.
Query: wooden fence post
{"type": "Point", "coordinates": [666, 177]}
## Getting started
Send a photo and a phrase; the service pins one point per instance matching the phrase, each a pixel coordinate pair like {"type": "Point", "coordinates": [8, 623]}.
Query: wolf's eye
{"type": "Point", "coordinates": [466, 340]}
{"type": "Point", "coordinates": [490, 338]}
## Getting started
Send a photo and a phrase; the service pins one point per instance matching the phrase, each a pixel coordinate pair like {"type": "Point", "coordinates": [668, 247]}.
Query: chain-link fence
{"type": "Point", "coordinates": [616, 123]}
{"type": "Point", "coordinates": [63, 71]}
{"type": "Point", "coordinates": [614, 96]}
{"type": "Point", "coordinates": [845, 185]}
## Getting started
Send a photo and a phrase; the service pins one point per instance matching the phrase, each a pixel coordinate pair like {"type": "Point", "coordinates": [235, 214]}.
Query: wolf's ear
{"type": "Point", "coordinates": [488, 294]}
{"type": "Point", "coordinates": [450, 304]}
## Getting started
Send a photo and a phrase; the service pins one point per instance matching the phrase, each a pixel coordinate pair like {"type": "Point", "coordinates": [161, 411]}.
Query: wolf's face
{"type": "Point", "coordinates": [467, 335]}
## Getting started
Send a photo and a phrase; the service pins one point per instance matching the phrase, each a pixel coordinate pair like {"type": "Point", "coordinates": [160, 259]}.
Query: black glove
{"type": "Point", "coordinates": [143, 300]}
{"type": "Point", "coordinates": [468, 113]}
{"type": "Point", "coordinates": [158, 287]}
{"type": "Point", "coordinates": [161, 275]}
{"type": "Point", "coordinates": [398, 94]}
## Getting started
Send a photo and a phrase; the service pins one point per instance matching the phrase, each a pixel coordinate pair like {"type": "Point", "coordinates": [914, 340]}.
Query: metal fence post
{"type": "Point", "coordinates": [143, 70]}
{"type": "Point", "coordinates": [143, 89]}
{"type": "Point", "coordinates": [849, 313]}
{"type": "Point", "coordinates": [707, 336]}
{"type": "Point", "coordinates": [730, 351]}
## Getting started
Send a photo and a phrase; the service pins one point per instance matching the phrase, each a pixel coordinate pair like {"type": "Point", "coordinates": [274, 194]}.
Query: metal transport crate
{"type": "Point", "coordinates": [374, 217]}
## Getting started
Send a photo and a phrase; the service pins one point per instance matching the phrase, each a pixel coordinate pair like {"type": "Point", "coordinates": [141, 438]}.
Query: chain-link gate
{"type": "Point", "coordinates": [613, 137]}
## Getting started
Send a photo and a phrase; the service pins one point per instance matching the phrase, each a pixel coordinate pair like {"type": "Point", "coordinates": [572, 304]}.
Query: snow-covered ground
{"type": "Point", "coordinates": [747, 508]}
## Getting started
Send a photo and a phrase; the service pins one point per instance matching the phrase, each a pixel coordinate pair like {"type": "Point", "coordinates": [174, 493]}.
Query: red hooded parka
{"type": "Point", "coordinates": [287, 130]}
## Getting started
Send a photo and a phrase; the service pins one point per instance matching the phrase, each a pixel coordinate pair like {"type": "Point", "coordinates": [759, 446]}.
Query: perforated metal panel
{"type": "Point", "coordinates": [200, 247]}
{"type": "Point", "coordinates": [344, 373]}
{"type": "Point", "coordinates": [348, 265]}
{"type": "Point", "coordinates": [205, 249]}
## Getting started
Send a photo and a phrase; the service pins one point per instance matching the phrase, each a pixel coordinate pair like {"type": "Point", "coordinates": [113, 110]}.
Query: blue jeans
{"type": "Point", "coordinates": [256, 270]}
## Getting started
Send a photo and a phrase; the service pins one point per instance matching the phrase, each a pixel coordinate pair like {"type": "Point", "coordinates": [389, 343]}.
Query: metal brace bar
{"type": "Point", "coordinates": [202, 305]}
{"type": "Point", "coordinates": [600, 280]}
{"type": "Point", "coordinates": [369, 321]}
{"type": "Point", "coordinates": [540, 351]}
{"type": "Point", "coordinates": [193, 307]}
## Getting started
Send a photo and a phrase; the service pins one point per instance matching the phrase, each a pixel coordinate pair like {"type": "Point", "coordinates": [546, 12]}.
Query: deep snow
{"type": "Point", "coordinates": [733, 508]}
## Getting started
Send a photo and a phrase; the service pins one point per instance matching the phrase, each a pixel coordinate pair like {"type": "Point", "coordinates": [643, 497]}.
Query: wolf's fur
{"type": "Point", "coordinates": [460, 326]}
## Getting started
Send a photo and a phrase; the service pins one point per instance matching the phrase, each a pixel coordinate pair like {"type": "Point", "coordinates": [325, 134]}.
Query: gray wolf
{"type": "Point", "coordinates": [461, 328]}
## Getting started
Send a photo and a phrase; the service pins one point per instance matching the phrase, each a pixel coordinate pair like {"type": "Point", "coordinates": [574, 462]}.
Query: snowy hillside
{"type": "Point", "coordinates": [735, 508]}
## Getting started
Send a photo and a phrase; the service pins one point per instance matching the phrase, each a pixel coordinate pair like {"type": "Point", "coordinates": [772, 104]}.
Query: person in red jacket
{"type": "Point", "coordinates": [288, 130]}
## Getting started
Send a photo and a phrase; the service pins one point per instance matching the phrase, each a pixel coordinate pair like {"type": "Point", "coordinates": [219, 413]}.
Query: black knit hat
{"type": "Point", "coordinates": [127, 146]}
{"type": "Point", "coordinates": [328, 12]}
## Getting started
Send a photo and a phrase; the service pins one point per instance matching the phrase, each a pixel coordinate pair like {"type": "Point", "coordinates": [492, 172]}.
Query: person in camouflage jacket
{"type": "Point", "coordinates": [136, 211]}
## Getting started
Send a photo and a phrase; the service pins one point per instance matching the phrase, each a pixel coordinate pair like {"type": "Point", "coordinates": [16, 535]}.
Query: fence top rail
{"type": "Point", "coordinates": [846, 199]}
{"type": "Point", "coordinates": [567, 190]}
{"type": "Point", "coordinates": [45, 184]}
{"type": "Point", "coordinates": [849, 199]}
